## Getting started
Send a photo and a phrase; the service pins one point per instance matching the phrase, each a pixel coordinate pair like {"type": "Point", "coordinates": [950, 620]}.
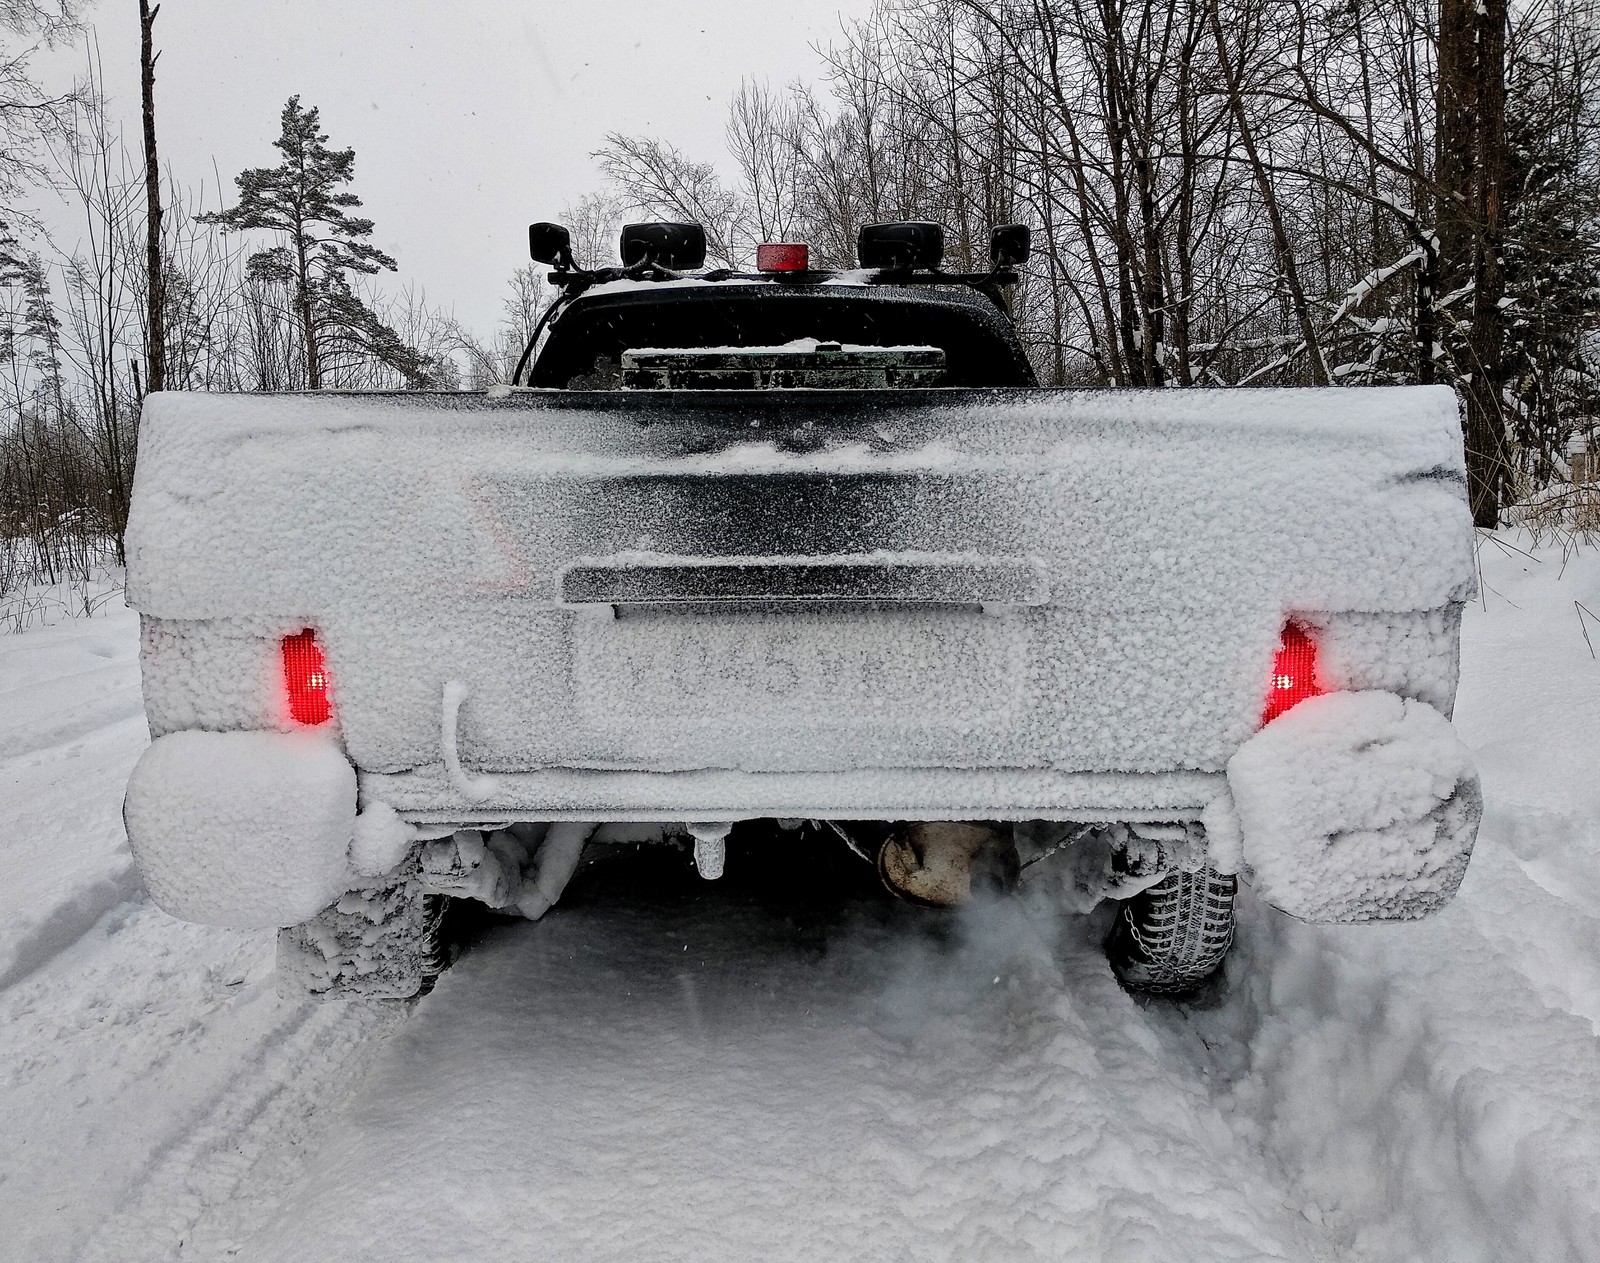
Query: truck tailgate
{"type": "Point", "coordinates": [793, 583]}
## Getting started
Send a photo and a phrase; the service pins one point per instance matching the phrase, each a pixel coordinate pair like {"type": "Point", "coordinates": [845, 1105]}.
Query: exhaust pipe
{"type": "Point", "coordinates": [942, 863]}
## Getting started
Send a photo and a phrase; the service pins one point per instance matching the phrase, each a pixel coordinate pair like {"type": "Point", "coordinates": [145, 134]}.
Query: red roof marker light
{"type": "Point", "coordinates": [1294, 672]}
{"type": "Point", "coordinates": [782, 256]}
{"type": "Point", "coordinates": [305, 673]}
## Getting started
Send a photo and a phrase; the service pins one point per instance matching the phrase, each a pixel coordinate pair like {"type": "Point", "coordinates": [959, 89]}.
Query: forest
{"type": "Point", "coordinates": [1223, 193]}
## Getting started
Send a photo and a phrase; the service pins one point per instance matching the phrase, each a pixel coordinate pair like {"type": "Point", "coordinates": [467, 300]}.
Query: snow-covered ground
{"type": "Point", "coordinates": [776, 1067]}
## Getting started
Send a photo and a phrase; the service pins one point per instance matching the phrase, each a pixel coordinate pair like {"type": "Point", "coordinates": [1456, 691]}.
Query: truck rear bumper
{"type": "Point", "coordinates": [429, 795]}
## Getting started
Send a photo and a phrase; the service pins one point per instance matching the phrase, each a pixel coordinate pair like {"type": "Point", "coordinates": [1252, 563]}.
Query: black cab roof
{"type": "Point", "coordinates": [588, 337]}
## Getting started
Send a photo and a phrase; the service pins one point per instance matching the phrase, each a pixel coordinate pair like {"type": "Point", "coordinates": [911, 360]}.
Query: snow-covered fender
{"type": "Point", "coordinates": [249, 830]}
{"type": "Point", "coordinates": [1355, 807]}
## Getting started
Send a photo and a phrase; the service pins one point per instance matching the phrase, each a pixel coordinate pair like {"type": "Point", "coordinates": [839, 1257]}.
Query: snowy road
{"type": "Point", "coordinates": [668, 1069]}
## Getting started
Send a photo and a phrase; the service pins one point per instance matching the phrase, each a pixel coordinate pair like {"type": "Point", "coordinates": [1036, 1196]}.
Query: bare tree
{"type": "Point", "coordinates": [27, 115]}
{"type": "Point", "coordinates": [155, 330]}
{"type": "Point", "coordinates": [595, 221]}
{"type": "Point", "coordinates": [657, 178]}
{"type": "Point", "coordinates": [762, 137]}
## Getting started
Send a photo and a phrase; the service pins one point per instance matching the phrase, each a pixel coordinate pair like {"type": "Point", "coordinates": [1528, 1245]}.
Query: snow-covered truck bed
{"type": "Point", "coordinates": [487, 612]}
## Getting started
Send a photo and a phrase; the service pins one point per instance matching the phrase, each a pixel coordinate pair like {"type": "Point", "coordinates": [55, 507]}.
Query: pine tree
{"type": "Point", "coordinates": [304, 198]}
{"type": "Point", "coordinates": [42, 327]}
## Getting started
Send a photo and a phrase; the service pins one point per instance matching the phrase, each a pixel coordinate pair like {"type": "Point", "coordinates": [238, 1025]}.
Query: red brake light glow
{"type": "Point", "coordinates": [782, 256]}
{"type": "Point", "coordinates": [1294, 672]}
{"type": "Point", "coordinates": [305, 672]}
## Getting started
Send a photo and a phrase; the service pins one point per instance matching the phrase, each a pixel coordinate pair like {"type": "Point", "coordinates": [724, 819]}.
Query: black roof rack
{"type": "Point", "coordinates": [594, 328]}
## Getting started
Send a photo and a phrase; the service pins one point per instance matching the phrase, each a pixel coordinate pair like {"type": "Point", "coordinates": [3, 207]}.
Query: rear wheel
{"type": "Point", "coordinates": [380, 944]}
{"type": "Point", "coordinates": [1170, 938]}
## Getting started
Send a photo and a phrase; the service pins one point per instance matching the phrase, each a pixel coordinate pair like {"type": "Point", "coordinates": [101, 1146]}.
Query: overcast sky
{"type": "Point", "coordinates": [469, 119]}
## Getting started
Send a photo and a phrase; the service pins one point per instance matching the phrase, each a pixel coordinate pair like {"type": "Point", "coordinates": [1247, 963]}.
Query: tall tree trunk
{"type": "Point", "coordinates": [1151, 297]}
{"type": "Point", "coordinates": [1486, 428]}
{"type": "Point", "coordinates": [1183, 243]}
{"type": "Point", "coordinates": [1470, 173]}
{"type": "Point", "coordinates": [156, 297]}
{"type": "Point", "coordinates": [308, 324]}
{"type": "Point", "coordinates": [1427, 310]}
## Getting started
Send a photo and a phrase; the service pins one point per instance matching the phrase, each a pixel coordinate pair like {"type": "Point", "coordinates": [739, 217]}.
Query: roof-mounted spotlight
{"type": "Point", "coordinates": [1010, 245]}
{"type": "Point", "coordinates": [676, 246]}
{"type": "Point", "coordinates": [552, 244]}
{"type": "Point", "coordinates": [900, 247]}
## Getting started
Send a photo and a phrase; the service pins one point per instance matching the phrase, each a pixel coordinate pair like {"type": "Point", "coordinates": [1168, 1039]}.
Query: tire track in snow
{"type": "Point", "coordinates": [67, 922]}
{"type": "Point", "coordinates": [64, 853]}
{"type": "Point", "coordinates": [149, 1076]}
{"type": "Point", "coordinates": [117, 706]}
{"type": "Point", "coordinates": [1551, 940]}
{"type": "Point", "coordinates": [882, 1089]}
{"type": "Point", "coordinates": [247, 1144]}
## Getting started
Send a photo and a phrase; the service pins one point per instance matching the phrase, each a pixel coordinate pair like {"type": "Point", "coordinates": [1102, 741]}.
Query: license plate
{"type": "Point", "coordinates": [874, 667]}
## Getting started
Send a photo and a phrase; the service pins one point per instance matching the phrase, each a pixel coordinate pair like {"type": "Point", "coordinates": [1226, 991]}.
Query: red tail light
{"type": "Point", "coordinates": [1294, 672]}
{"type": "Point", "coordinates": [305, 672]}
{"type": "Point", "coordinates": [782, 256]}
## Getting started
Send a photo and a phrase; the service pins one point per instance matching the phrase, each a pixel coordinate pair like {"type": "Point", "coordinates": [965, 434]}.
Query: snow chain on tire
{"type": "Point", "coordinates": [1172, 937]}
{"type": "Point", "coordinates": [380, 944]}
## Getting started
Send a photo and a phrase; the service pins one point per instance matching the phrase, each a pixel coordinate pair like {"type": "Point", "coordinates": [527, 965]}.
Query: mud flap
{"type": "Point", "coordinates": [1356, 807]}
{"type": "Point", "coordinates": [249, 830]}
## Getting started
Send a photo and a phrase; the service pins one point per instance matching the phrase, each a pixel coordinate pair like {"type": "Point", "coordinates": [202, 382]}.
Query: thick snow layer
{"type": "Point", "coordinates": [284, 804]}
{"type": "Point", "coordinates": [1279, 476]}
{"type": "Point", "coordinates": [1417, 656]}
{"type": "Point", "coordinates": [215, 675]}
{"type": "Point", "coordinates": [1355, 807]}
{"type": "Point", "coordinates": [814, 1077]}
{"type": "Point", "coordinates": [381, 841]}
{"type": "Point", "coordinates": [897, 794]}
{"type": "Point", "coordinates": [681, 282]}
{"type": "Point", "coordinates": [427, 538]}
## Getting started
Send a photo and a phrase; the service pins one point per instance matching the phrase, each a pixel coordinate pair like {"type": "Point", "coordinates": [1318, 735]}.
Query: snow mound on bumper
{"type": "Point", "coordinates": [1356, 807]}
{"type": "Point", "coordinates": [248, 830]}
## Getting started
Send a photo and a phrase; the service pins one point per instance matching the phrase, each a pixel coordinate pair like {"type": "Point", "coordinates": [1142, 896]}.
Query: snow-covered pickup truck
{"type": "Point", "coordinates": [809, 553]}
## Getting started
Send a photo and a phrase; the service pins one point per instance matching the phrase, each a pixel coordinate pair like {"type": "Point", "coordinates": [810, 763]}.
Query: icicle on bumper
{"type": "Point", "coordinates": [1352, 807]}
